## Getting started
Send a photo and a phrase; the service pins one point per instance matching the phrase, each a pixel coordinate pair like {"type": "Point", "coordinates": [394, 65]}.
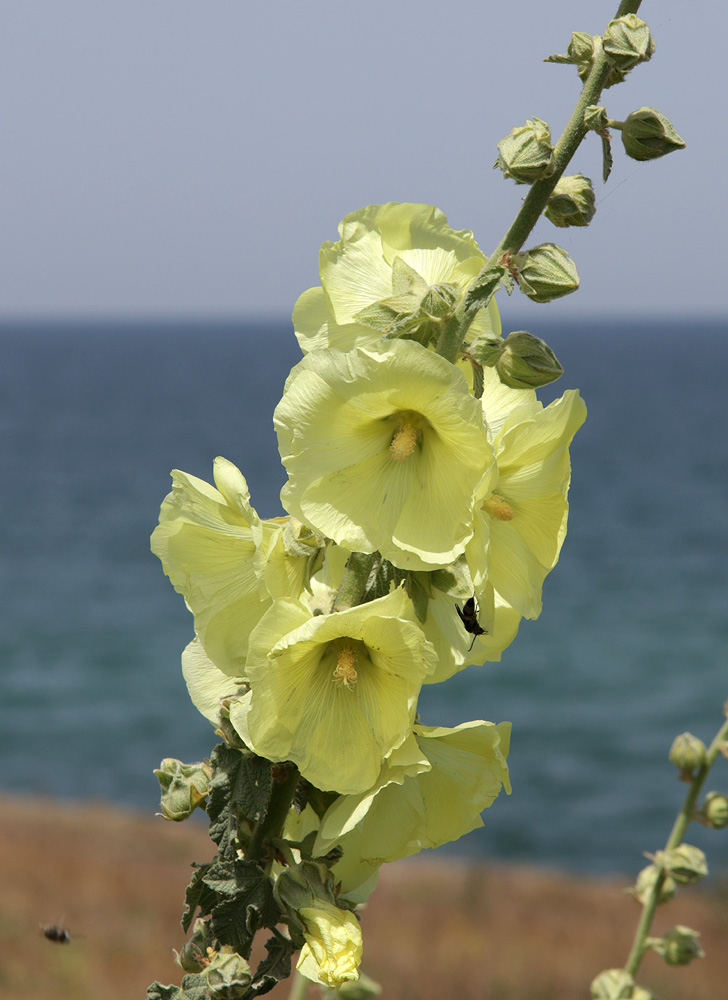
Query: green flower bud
{"type": "Point", "coordinates": [647, 134]}
{"type": "Point", "coordinates": [645, 882]}
{"type": "Point", "coordinates": [581, 53]}
{"type": "Point", "coordinates": [526, 362]}
{"type": "Point", "coordinates": [687, 752]}
{"type": "Point", "coordinates": [627, 42]}
{"type": "Point", "coordinates": [679, 946]}
{"type": "Point", "coordinates": [546, 272]}
{"type": "Point", "coordinates": [715, 810]}
{"type": "Point", "coordinates": [193, 957]}
{"type": "Point", "coordinates": [612, 984]}
{"type": "Point", "coordinates": [184, 787]}
{"type": "Point", "coordinates": [526, 154]}
{"type": "Point", "coordinates": [686, 864]}
{"type": "Point", "coordinates": [228, 975]}
{"type": "Point", "coordinates": [572, 202]}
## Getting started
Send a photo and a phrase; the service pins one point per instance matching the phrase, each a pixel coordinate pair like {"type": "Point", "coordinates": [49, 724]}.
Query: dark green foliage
{"type": "Point", "coordinates": [193, 988]}
{"type": "Point", "coordinates": [241, 789]}
{"type": "Point", "coordinates": [275, 966]}
{"type": "Point", "coordinates": [244, 903]}
{"type": "Point", "coordinates": [198, 895]}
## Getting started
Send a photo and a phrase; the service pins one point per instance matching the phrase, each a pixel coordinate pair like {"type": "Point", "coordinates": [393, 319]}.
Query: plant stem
{"type": "Point", "coordinates": [535, 201]}
{"type": "Point", "coordinates": [684, 817]}
{"type": "Point", "coordinates": [299, 986]}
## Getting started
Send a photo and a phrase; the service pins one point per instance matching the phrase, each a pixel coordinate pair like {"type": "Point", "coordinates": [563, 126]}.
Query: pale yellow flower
{"type": "Point", "coordinates": [358, 271]}
{"type": "Point", "coordinates": [431, 791]}
{"type": "Point", "coordinates": [522, 511]}
{"type": "Point", "coordinates": [225, 561]}
{"type": "Point", "coordinates": [333, 693]}
{"type": "Point", "coordinates": [384, 449]}
{"type": "Point", "coordinates": [333, 949]}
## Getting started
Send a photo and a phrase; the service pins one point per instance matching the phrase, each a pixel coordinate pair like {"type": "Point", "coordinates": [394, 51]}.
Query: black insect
{"type": "Point", "coordinates": [55, 933]}
{"type": "Point", "coordinates": [469, 618]}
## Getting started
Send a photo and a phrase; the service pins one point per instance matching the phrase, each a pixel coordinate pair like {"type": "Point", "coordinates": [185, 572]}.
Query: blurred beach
{"type": "Point", "coordinates": [435, 929]}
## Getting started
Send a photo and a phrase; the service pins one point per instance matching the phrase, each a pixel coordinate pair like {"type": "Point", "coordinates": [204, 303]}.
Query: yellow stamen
{"type": "Point", "coordinates": [404, 442]}
{"type": "Point", "coordinates": [345, 672]}
{"type": "Point", "coordinates": [498, 507]}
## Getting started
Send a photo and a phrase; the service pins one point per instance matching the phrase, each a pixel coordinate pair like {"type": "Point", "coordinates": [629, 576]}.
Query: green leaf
{"type": "Point", "coordinates": [247, 903]}
{"type": "Point", "coordinates": [197, 895]}
{"type": "Point", "coordinates": [276, 965]}
{"type": "Point", "coordinates": [478, 383]}
{"type": "Point", "coordinates": [241, 785]}
{"type": "Point", "coordinates": [254, 786]}
{"type": "Point", "coordinates": [193, 987]}
{"type": "Point", "coordinates": [607, 158]}
{"type": "Point", "coordinates": [485, 288]}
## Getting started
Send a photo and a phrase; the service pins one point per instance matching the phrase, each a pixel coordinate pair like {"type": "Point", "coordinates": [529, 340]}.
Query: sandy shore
{"type": "Point", "coordinates": [434, 930]}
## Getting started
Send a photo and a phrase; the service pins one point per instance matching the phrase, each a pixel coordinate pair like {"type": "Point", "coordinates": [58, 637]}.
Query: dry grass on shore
{"type": "Point", "coordinates": [434, 930]}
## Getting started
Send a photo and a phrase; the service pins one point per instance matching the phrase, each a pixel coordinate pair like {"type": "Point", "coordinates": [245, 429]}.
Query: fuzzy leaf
{"type": "Point", "coordinates": [240, 781]}
{"type": "Point", "coordinates": [247, 904]}
{"type": "Point", "coordinates": [275, 966]}
{"type": "Point", "coordinates": [193, 988]}
{"type": "Point", "coordinates": [198, 895]}
{"type": "Point", "coordinates": [478, 381]}
{"type": "Point", "coordinates": [483, 291]}
{"type": "Point", "coordinates": [607, 158]}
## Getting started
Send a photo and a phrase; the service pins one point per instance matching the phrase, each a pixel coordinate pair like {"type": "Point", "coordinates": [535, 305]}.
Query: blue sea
{"type": "Point", "coordinates": [631, 648]}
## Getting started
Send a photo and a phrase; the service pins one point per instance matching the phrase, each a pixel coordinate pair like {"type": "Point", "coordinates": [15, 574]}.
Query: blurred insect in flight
{"type": "Point", "coordinates": [55, 933]}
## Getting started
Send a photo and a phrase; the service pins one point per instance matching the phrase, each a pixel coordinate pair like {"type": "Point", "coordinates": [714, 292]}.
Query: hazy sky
{"type": "Point", "coordinates": [167, 156]}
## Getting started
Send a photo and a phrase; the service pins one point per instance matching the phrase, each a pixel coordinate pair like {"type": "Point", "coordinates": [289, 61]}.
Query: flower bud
{"type": "Point", "coordinates": [715, 810]}
{"type": "Point", "coordinates": [645, 882]}
{"type": "Point", "coordinates": [580, 53]}
{"type": "Point", "coordinates": [647, 134]}
{"type": "Point", "coordinates": [686, 864]}
{"type": "Point", "coordinates": [526, 154]}
{"type": "Point", "coordinates": [228, 975]}
{"type": "Point", "coordinates": [526, 362]}
{"type": "Point", "coordinates": [679, 946]}
{"type": "Point", "coordinates": [687, 752]}
{"type": "Point", "coordinates": [546, 272]}
{"type": "Point", "coordinates": [184, 787]}
{"type": "Point", "coordinates": [572, 202]}
{"type": "Point", "coordinates": [627, 42]}
{"type": "Point", "coordinates": [612, 984]}
{"type": "Point", "coordinates": [193, 957]}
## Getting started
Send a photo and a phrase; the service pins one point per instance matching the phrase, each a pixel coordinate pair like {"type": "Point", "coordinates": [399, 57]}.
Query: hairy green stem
{"type": "Point", "coordinates": [270, 826]}
{"type": "Point", "coordinates": [535, 201]}
{"type": "Point", "coordinates": [684, 817]}
{"type": "Point", "coordinates": [299, 986]}
{"type": "Point", "coordinates": [358, 567]}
